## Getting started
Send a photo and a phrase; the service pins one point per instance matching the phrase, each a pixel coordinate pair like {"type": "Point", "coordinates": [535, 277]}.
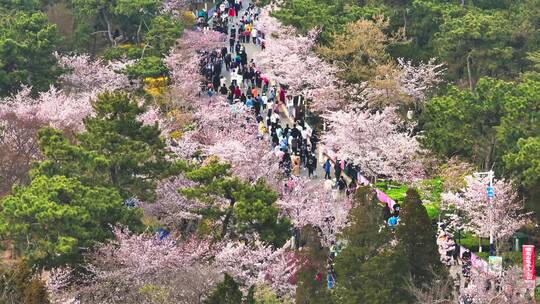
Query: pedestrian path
{"type": "Point", "coordinates": [252, 50]}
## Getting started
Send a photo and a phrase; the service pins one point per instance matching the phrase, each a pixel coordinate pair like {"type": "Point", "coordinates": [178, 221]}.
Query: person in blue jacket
{"type": "Point", "coordinates": [327, 166]}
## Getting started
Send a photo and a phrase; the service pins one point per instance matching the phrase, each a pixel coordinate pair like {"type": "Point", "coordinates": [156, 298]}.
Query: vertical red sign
{"type": "Point", "coordinates": [528, 262]}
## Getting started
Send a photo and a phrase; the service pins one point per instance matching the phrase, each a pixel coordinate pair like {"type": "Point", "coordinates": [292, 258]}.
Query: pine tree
{"type": "Point", "coordinates": [116, 150]}
{"type": "Point", "coordinates": [249, 206]}
{"type": "Point", "coordinates": [227, 292]}
{"type": "Point", "coordinates": [417, 240]}
{"type": "Point", "coordinates": [311, 277]}
{"type": "Point", "coordinates": [369, 269]}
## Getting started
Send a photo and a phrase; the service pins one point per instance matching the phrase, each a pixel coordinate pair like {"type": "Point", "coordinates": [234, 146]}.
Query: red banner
{"type": "Point", "coordinates": [528, 262]}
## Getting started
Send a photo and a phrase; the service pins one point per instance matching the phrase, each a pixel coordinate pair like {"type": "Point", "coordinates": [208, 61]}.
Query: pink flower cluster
{"type": "Point", "coordinates": [375, 142]}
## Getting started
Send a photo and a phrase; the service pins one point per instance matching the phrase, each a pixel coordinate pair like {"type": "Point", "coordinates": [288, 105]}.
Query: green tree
{"type": "Point", "coordinates": [328, 15]}
{"type": "Point", "coordinates": [311, 277]}
{"type": "Point", "coordinates": [369, 269]}
{"type": "Point", "coordinates": [151, 66]}
{"type": "Point", "coordinates": [524, 166]}
{"type": "Point", "coordinates": [417, 241]}
{"type": "Point", "coordinates": [477, 44]}
{"type": "Point", "coordinates": [27, 43]}
{"type": "Point", "coordinates": [56, 219]}
{"type": "Point", "coordinates": [128, 16]}
{"type": "Point", "coordinates": [521, 114]}
{"type": "Point", "coordinates": [24, 5]}
{"type": "Point", "coordinates": [249, 206]}
{"type": "Point", "coordinates": [227, 292]}
{"type": "Point", "coordinates": [163, 33]}
{"type": "Point", "coordinates": [116, 150]}
{"type": "Point", "coordinates": [464, 122]}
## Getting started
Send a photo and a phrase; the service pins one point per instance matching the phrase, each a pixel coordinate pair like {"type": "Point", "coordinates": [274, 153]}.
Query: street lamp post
{"type": "Point", "coordinates": [490, 194]}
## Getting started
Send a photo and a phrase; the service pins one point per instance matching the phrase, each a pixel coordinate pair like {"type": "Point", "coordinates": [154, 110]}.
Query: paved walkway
{"type": "Point", "coordinates": [251, 51]}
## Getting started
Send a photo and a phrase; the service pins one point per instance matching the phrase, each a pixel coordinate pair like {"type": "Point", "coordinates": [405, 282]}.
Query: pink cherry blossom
{"type": "Point", "coordinates": [506, 288]}
{"type": "Point", "coordinates": [418, 81]}
{"type": "Point", "coordinates": [311, 76]}
{"type": "Point", "coordinates": [173, 6]}
{"type": "Point", "coordinates": [87, 74]}
{"type": "Point", "coordinates": [170, 206]}
{"type": "Point", "coordinates": [60, 110]}
{"type": "Point", "coordinates": [375, 142]}
{"type": "Point", "coordinates": [503, 215]}
{"type": "Point", "coordinates": [308, 203]}
{"type": "Point", "coordinates": [259, 264]}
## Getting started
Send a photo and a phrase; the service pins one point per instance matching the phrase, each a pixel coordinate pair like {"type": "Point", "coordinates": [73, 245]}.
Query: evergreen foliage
{"type": "Point", "coordinates": [369, 269]}
{"type": "Point", "coordinates": [249, 207]}
{"type": "Point", "coordinates": [27, 43]}
{"type": "Point", "coordinates": [116, 150]}
{"type": "Point", "coordinates": [57, 219]}
{"type": "Point", "coordinates": [227, 292]}
{"type": "Point", "coordinates": [417, 241]}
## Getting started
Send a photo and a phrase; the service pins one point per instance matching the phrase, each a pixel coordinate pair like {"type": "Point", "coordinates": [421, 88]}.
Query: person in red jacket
{"type": "Point", "coordinates": [281, 95]}
{"type": "Point", "coordinates": [231, 13]}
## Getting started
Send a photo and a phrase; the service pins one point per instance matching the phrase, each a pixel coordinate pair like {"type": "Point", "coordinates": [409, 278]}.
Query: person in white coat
{"type": "Point", "coordinates": [254, 35]}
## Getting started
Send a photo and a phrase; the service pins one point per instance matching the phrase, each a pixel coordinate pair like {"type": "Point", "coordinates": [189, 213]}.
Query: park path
{"type": "Point", "coordinates": [252, 50]}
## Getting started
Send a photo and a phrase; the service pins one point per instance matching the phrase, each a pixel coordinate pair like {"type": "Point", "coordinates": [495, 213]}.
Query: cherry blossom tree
{"type": "Point", "coordinates": [120, 269]}
{"type": "Point", "coordinates": [55, 107]}
{"type": "Point", "coordinates": [503, 215]}
{"type": "Point", "coordinates": [185, 77]}
{"type": "Point", "coordinates": [259, 264]}
{"type": "Point", "coordinates": [66, 108]}
{"type": "Point", "coordinates": [19, 149]}
{"type": "Point", "coordinates": [491, 288]}
{"type": "Point", "coordinates": [173, 6]}
{"type": "Point", "coordinates": [307, 203]}
{"type": "Point", "coordinates": [418, 81]}
{"type": "Point", "coordinates": [183, 63]}
{"type": "Point", "coordinates": [185, 147]}
{"type": "Point", "coordinates": [86, 74]}
{"type": "Point", "coordinates": [171, 208]}
{"type": "Point", "coordinates": [230, 133]}
{"type": "Point", "coordinates": [250, 160]}
{"type": "Point", "coordinates": [310, 76]}
{"type": "Point", "coordinates": [375, 142]}
{"type": "Point", "coordinates": [217, 120]}
{"type": "Point", "coordinates": [199, 41]}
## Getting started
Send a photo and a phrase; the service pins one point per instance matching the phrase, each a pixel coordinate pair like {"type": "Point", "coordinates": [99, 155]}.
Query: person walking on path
{"type": "Point", "coordinates": [296, 164]}
{"type": "Point", "coordinates": [311, 164]}
{"type": "Point", "coordinates": [231, 13]}
{"type": "Point", "coordinates": [327, 167]}
{"type": "Point", "coordinates": [281, 95]}
{"type": "Point", "coordinates": [227, 60]}
{"type": "Point", "coordinates": [254, 35]}
{"type": "Point", "coordinates": [337, 170]}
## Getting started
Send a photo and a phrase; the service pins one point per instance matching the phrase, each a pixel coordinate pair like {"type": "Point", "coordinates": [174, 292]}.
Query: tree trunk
{"type": "Point", "coordinates": [405, 20]}
{"type": "Point", "coordinates": [227, 220]}
{"type": "Point", "coordinates": [469, 71]}
{"type": "Point", "coordinates": [109, 28]}
{"type": "Point", "coordinates": [114, 172]}
{"type": "Point", "coordinates": [489, 155]}
{"type": "Point", "coordinates": [229, 213]}
{"type": "Point", "coordinates": [139, 33]}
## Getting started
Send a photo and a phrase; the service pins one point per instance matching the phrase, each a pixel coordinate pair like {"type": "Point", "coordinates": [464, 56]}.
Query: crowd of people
{"type": "Point", "coordinates": [280, 116]}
